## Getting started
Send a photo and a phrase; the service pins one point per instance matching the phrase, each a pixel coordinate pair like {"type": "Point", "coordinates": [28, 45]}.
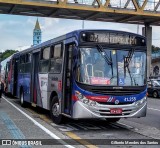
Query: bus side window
{"type": "Point", "coordinates": [71, 47]}
{"type": "Point", "coordinates": [21, 64]}
{"type": "Point", "coordinates": [28, 63]}
{"type": "Point", "coordinates": [44, 61]}
{"type": "Point", "coordinates": [56, 58]}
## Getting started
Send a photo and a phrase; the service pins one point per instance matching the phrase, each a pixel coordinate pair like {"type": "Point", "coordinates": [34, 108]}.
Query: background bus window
{"type": "Point", "coordinates": [21, 64]}
{"type": "Point", "coordinates": [28, 57]}
{"type": "Point", "coordinates": [44, 63]}
{"type": "Point", "coordinates": [56, 59]}
{"type": "Point", "coordinates": [28, 63]}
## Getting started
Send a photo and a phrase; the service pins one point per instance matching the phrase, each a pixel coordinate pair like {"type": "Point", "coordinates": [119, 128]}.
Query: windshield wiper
{"type": "Point", "coordinates": [127, 61]}
{"type": "Point", "coordinates": [106, 57]}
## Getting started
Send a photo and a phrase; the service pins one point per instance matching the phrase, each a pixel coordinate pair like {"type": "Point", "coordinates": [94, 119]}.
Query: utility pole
{"type": "Point", "coordinates": [138, 29]}
{"type": "Point", "coordinates": [82, 24]}
{"type": "Point", "coordinates": [0, 62]}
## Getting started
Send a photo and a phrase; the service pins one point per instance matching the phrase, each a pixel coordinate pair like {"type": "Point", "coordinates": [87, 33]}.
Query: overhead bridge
{"type": "Point", "coordinates": [121, 11]}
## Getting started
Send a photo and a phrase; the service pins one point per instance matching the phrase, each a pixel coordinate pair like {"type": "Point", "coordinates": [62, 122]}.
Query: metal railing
{"type": "Point", "coordinates": [151, 5]}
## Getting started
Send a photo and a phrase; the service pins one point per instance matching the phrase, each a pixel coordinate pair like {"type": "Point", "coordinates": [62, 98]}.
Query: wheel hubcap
{"type": "Point", "coordinates": [155, 94]}
{"type": "Point", "coordinates": [55, 109]}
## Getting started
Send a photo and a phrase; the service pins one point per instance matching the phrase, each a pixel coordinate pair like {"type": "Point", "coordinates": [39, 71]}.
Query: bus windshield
{"type": "Point", "coordinates": [111, 67]}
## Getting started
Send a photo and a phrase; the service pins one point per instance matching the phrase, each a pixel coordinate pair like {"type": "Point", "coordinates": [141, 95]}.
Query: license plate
{"type": "Point", "coordinates": [116, 111]}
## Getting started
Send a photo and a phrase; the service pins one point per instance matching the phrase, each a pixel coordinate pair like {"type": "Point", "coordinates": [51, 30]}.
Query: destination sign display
{"type": "Point", "coordinates": [113, 38]}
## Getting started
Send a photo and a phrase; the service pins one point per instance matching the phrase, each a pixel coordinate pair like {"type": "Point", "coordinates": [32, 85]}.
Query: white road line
{"type": "Point", "coordinates": [153, 109]}
{"type": "Point", "coordinates": [40, 126]}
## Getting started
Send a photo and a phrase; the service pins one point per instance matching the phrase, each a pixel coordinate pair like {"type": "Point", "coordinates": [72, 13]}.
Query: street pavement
{"type": "Point", "coordinates": [34, 123]}
{"type": "Point", "coordinates": [153, 114]}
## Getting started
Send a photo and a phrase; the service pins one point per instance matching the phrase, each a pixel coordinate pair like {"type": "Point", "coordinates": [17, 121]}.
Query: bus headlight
{"type": "Point", "coordinates": [92, 103]}
{"type": "Point", "coordinates": [140, 102]}
{"type": "Point", "coordinates": [79, 95]}
{"type": "Point", "coordinates": [84, 99]}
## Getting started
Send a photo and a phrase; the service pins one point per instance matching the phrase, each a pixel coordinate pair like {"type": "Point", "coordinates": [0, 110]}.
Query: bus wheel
{"type": "Point", "coordinates": [155, 94]}
{"type": "Point", "coordinates": [112, 119]}
{"type": "Point", "coordinates": [55, 111]}
{"type": "Point", "coordinates": [23, 103]}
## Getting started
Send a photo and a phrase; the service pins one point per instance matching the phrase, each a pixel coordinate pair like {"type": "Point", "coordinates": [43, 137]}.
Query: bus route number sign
{"type": "Point", "coordinates": [112, 38]}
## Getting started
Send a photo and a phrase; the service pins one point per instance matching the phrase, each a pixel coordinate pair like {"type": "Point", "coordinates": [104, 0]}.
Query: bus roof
{"type": "Point", "coordinates": [72, 34]}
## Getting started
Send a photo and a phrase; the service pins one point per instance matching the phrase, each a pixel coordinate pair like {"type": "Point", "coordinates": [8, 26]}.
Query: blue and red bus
{"type": "Point", "coordinates": [84, 74]}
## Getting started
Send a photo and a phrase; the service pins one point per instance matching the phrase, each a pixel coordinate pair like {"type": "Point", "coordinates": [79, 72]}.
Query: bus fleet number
{"type": "Point", "coordinates": [130, 99]}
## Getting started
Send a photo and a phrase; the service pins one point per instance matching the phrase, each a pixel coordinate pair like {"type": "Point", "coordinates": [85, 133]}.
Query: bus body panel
{"type": "Point", "coordinates": [24, 81]}
{"type": "Point", "coordinates": [43, 85]}
{"type": "Point", "coordinates": [81, 111]}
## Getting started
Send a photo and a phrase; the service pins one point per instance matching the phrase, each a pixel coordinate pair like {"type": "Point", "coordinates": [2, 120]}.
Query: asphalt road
{"type": "Point", "coordinates": [34, 123]}
{"type": "Point", "coordinates": [153, 114]}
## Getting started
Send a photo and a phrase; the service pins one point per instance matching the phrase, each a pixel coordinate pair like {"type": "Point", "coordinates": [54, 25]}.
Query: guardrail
{"type": "Point", "coordinates": [146, 5]}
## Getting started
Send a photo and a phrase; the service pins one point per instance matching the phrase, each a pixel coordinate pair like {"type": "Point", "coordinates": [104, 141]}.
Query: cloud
{"type": "Point", "coordinates": [17, 31]}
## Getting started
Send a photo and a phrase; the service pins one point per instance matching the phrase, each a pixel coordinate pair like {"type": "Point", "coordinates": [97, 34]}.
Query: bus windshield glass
{"type": "Point", "coordinates": [111, 67]}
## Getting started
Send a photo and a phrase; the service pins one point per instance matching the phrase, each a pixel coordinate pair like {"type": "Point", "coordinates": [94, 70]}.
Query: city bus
{"type": "Point", "coordinates": [7, 73]}
{"type": "Point", "coordinates": [84, 74]}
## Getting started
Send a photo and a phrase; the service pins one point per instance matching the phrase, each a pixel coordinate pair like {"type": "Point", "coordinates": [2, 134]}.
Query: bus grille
{"type": "Point", "coordinates": [104, 112]}
{"type": "Point", "coordinates": [113, 103]}
{"type": "Point", "coordinates": [115, 92]}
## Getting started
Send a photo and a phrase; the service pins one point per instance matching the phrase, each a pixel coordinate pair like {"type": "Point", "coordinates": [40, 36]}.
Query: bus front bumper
{"type": "Point", "coordinates": [82, 111]}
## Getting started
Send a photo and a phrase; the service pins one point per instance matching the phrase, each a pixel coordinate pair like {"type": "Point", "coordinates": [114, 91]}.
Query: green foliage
{"type": "Point", "coordinates": [155, 49]}
{"type": "Point", "coordinates": [6, 54]}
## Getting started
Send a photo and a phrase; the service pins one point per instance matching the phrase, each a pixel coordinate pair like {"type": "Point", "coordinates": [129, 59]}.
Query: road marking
{"type": "Point", "coordinates": [13, 129]}
{"type": "Point", "coordinates": [39, 125]}
{"type": "Point", "coordinates": [79, 140]}
{"type": "Point", "coordinates": [153, 109]}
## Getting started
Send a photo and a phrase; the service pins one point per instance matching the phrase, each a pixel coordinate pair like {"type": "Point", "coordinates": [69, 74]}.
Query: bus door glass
{"type": "Point", "coordinates": [35, 77]}
{"type": "Point", "coordinates": [67, 85]}
{"type": "Point", "coordinates": [15, 77]}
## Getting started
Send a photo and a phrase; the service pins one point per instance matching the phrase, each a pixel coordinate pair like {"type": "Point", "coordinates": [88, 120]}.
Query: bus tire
{"type": "Point", "coordinates": [23, 103]}
{"type": "Point", "coordinates": [112, 120]}
{"type": "Point", "coordinates": [54, 111]}
{"type": "Point", "coordinates": [155, 94]}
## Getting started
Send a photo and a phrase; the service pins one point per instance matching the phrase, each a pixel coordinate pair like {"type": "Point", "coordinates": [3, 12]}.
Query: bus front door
{"type": "Point", "coordinates": [67, 79]}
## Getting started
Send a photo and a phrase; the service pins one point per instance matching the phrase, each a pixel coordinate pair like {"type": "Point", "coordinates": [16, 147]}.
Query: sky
{"type": "Point", "coordinates": [17, 31]}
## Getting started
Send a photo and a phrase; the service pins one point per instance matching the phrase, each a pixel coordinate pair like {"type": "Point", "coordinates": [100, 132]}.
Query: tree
{"type": "Point", "coordinates": [6, 54]}
{"type": "Point", "coordinates": [155, 49]}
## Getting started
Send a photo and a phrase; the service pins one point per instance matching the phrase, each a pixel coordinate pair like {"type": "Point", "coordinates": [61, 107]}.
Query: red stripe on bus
{"type": "Point", "coordinates": [74, 98]}
{"type": "Point", "coordinates": [98, 98]}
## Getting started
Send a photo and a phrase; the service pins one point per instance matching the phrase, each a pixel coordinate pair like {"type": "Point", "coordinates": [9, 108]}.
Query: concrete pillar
{"type": "Point", "coordinates": [147, 32]}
